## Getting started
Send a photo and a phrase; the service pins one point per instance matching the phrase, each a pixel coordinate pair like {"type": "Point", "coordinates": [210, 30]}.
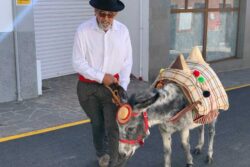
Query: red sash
{"type": "Point", "coordinates": [83, 79]}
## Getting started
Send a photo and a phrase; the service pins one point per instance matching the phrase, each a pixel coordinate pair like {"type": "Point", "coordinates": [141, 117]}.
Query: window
{"type": "Point", "coordinates": [210, 24]}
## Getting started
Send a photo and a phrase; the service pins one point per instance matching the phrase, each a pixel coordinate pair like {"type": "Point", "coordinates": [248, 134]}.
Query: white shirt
{"type": "Point", "coordinates": [96, 52]}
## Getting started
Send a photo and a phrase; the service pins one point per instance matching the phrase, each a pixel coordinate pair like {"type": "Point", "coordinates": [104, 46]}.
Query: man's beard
{"type": "Point", "coordinates": [103, 27]}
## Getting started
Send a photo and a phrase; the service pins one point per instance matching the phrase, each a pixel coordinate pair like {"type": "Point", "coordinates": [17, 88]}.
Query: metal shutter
{"type": "Point", "coordinates": [55, 25]}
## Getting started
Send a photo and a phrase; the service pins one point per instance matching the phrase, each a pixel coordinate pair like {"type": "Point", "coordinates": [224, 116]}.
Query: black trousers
{"type": "Point", "coordinates": [96, 101]}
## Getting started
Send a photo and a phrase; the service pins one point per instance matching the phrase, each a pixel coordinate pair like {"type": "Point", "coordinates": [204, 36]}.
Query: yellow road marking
{"type": "Point", "coordinates": [36, 132]}
{"type": "Point", "coordinates": [237, 87]}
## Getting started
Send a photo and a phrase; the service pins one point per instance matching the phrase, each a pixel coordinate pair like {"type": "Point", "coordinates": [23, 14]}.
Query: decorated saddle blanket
{"type": "Point", "coordinates": [200, 84]}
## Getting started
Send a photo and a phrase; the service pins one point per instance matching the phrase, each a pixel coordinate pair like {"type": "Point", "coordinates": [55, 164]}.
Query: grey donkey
{"type": "Point", "coordinates": [157, 107]}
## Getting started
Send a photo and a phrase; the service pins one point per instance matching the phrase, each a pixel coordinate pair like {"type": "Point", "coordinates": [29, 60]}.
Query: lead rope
{"type": "Point", "coordinates": [116, 99]}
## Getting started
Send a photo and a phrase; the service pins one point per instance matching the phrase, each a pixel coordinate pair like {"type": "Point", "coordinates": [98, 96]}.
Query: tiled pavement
{"type": "Point", "coordinates": [59, 105]}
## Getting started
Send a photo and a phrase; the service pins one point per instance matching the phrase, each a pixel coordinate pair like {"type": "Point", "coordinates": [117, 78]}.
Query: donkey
{"type": "Point", "coordinates": [157, 107]}
{"type": "Point", "coordinates": [186, 92]}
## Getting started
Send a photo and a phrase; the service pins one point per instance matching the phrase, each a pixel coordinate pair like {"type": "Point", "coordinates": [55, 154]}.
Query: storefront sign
{"type": "Point", "coordinates": [23, 2]}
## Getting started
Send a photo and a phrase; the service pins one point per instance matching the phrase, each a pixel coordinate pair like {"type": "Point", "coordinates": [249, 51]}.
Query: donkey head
{"type": "Point", "coordinates": [133, 122]}
{"type": "Point", "coordinates": [160, 104]}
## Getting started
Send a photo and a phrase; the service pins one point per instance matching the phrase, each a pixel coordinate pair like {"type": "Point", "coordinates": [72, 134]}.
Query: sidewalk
{"type": "Point", "coordinates": [59, 104]}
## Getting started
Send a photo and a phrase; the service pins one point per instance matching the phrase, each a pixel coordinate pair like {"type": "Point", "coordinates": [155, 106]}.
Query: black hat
{"type": "Point", "coordinates": [108, 5]}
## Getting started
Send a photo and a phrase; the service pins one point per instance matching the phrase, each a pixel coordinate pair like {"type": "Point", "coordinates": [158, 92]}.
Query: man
{"type": "Point", "coordinates": [102, 55]}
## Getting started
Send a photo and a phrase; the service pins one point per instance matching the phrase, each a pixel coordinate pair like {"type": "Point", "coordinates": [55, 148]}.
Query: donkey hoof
{"type": "Point", "coordinates": [197, 151]}
{"type": "Point", "coordinates": [189, 165]}
{"type": "Point", "coordinates": [209, 160]}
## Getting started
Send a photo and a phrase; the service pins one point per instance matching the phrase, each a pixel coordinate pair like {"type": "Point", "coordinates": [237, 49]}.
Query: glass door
{"type": "Point", "coordinates": [210, 24]}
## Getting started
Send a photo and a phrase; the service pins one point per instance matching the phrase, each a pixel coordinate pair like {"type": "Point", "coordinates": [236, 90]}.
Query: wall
{"type": "Point", "coordinates": [26, 52]}
{"type": "Point", "coordinates": [24, 38]}
{"type": "Point", "coordinates": [159, 36]}
{"type": "Point", "coordinates": [7, 68]}
{"type": "Point", "coordinates": [135, 17]}
{"type": "Point", "coordinates": [7, 59]}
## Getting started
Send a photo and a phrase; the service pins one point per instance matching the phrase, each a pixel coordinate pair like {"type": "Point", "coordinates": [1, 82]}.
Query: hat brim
{"type": "Point", "coordinates": [107, 7]}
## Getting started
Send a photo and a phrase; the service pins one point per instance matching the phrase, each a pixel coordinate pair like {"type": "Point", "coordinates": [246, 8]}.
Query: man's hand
{"type": "Point", "coordinates": [109, 79]}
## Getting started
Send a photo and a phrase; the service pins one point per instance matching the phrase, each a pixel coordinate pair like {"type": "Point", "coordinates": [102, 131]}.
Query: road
{"type": "Point", "coordinates": [72, 147]}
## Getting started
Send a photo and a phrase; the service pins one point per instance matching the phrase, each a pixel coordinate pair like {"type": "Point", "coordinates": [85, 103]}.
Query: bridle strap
{"type": "Point", "coordinates": [139, 140]}
{"type": "Point", "coordinates": [133, 142]}
{"type": "Point", "coordinates": [177, 116]}
{"type": "Point", "coordinates": [145, 118]}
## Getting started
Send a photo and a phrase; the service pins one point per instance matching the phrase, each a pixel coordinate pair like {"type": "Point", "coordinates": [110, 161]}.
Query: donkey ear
{"type": "Point", "coordinates": [196, 56]}
{"type": "Point", "coordinates": [180, 64]}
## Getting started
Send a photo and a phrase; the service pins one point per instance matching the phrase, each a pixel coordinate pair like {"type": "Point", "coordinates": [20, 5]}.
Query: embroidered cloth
{"type": "Point", "coordinates": [199, 83]}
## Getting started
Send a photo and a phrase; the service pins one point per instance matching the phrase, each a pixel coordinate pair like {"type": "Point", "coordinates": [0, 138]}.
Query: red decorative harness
{"type": "Point", "coordinates": [139, 139]}
{"type": "Point", "coordinates": [144, 114]}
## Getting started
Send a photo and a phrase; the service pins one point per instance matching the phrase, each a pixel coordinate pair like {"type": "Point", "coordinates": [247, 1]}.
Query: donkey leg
{"type": "Point", "coordinates": [211, 142]}
{"type": "Point", "coordinates": [186, 146]}
{"type": "Point", "coordinates": [167, 140]}
{"type": "Point", "coordinates": [200, 144]}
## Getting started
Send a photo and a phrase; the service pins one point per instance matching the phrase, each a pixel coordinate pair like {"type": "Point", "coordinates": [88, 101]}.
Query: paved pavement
{"type": "Point", "coordinates": [59, 105]}
{"type": "Point", "coordinates": [72, 147]}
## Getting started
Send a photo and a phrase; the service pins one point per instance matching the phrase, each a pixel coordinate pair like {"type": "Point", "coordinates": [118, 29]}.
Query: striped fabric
{"type": "Point", "coordinates": [205, 119]}
{"type": "Point", "coordinates": [194, 90]}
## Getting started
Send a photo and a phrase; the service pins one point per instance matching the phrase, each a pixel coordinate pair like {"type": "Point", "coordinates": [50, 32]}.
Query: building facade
{"type": "Point", "coordinates": [36, 37]}
{"type": "Point", "coordinates": [220, 29]}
